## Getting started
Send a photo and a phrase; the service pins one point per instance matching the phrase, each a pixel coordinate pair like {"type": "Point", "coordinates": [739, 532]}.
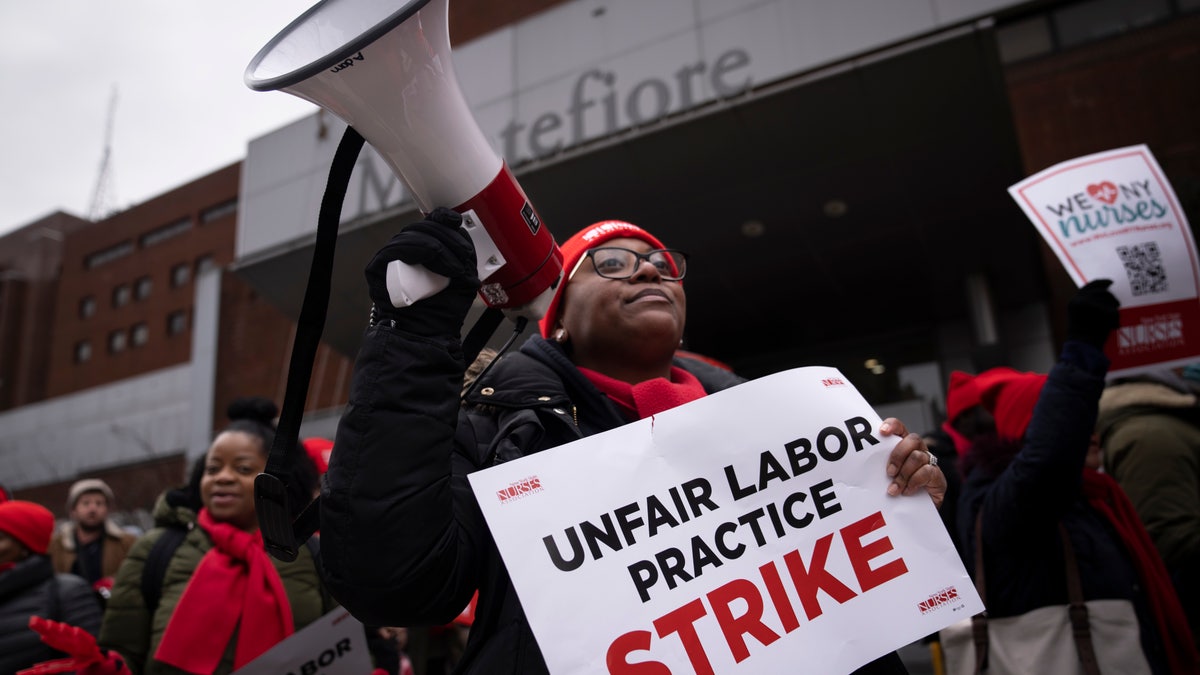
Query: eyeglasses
{"type": "Point", "coordinates": [612, 262]}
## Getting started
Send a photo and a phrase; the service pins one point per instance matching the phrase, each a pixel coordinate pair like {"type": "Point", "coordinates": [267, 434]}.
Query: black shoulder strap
{"type": "Point", "coordinates": [155, 569]}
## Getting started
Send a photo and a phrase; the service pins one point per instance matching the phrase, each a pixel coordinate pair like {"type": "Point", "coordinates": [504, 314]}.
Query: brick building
{"type": "Point", "coordinates": [123, 307]}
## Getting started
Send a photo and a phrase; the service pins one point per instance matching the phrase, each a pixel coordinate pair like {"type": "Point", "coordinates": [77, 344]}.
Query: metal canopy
{"type": "Point", "coordinates": [918, 149]}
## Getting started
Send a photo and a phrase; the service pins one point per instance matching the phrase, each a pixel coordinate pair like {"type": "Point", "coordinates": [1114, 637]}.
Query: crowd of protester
{"type": "Point", "coordinates": [197, 593]}
{"type": "Point", "coordinates": [1034, 467]}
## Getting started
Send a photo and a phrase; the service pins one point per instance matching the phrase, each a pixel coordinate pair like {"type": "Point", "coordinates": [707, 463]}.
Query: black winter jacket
{"type": "Point", "coordinates": [33, 589]}
{"type": "Point", "coordinates": [404, 541]}
{"type": "Point", "coordinates": [1024, 500]}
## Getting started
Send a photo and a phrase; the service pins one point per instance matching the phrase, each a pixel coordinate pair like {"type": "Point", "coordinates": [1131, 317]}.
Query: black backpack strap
{"type": "Point", "coordinates": [157, 560]}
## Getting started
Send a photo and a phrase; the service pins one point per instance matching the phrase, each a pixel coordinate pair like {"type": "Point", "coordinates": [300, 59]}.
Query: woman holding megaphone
{"type": "Point", "coordinates": [404, 541]}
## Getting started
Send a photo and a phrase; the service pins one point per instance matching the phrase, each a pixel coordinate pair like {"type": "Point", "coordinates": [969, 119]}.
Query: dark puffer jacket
{"type": "Point", "coordinates": [33, 589]}
{"type": "Point", "coordinates": [404, 541]}
{"type": "Point", "coordinates": [1024, 499]}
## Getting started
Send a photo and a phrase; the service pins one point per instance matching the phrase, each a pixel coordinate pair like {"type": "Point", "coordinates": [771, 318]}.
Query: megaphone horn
{"type": "Point", "coordinates": [387, 73]}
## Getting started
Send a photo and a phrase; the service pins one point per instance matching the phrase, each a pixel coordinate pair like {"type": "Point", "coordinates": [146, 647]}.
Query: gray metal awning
{"type": "Point", "coordinates": [878, 187]}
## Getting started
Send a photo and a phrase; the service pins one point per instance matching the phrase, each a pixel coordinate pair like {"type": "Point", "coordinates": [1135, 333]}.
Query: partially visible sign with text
{"type": "Point", "coordinates": [1113, 215]}
{"type": "Point", "coordinates": [740, 533]}
{"type": "Point", "coordinates": [335, 644]}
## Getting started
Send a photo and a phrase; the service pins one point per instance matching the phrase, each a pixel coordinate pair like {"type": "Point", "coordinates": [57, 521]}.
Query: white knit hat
{"type": "Point", "coordinates": [88, 485]}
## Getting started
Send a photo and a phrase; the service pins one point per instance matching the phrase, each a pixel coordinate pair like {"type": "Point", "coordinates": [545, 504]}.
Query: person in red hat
{"type": "Point", "coordinates": [404, 540]}
{"type": "Point", "coordinates": [29, 587]}
{"type": "Point", "coordinates": [1029, 460]}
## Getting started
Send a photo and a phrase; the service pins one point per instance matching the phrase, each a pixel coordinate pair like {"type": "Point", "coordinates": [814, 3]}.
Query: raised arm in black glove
{"type": "Point", "coordinates": [1092, 313]}
{"type": "Point", "coordinates": [439, 244]}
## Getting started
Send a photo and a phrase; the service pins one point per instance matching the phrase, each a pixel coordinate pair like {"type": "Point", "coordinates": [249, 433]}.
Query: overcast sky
{"type": "Point", "coordinates": [181, 109]}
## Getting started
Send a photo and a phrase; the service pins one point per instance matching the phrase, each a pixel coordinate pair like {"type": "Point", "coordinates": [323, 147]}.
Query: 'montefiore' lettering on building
{"type": "Point", "coordinates": [598, 108]}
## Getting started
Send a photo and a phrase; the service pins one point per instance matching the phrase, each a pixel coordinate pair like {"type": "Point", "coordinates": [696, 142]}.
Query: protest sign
{"type": "Point", "coordinates": [1113, 215]}
{"type": "Point", "coordinates": [745, 532]}
{"type": "Point", "coordinates": [335, 644]}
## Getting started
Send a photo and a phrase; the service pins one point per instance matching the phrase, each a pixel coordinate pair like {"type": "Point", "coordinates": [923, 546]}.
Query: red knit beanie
{"type": "Point", "coordinates": [318, 450]}
{"type": "Point", "coordinates": [961, 395]}
{"type": "Point", "coordinates": [1010, 396]}
{"type": "Point", "coordinates": [29, 523]}
{"type": "Point", "coordinates": [573, 249]}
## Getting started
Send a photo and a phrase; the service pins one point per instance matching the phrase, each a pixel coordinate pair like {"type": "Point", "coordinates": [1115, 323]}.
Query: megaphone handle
{"type": "Point", "coordinates": [407, 284]}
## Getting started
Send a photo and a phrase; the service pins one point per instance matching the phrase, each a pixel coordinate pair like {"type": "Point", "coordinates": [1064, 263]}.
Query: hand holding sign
{"type": "Point", "coordinates": [1093, 313]}
{"type": "Point", "coordinates": [911, 466]}
{"type": "Point", "coordinates": [739, 533]}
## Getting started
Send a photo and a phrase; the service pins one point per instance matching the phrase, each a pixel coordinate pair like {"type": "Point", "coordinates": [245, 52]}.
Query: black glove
{"type": "Point", "coordinates": [1092, 313]}
{"type": "Point", "coordinates": [439, 244]}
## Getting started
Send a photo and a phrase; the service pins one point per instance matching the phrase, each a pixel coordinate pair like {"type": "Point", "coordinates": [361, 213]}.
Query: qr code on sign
{"type": "Point", "coordinates": [1144, 267]}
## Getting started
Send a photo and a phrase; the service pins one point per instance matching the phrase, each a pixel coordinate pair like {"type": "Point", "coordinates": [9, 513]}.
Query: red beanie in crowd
{"type": "Point", "coordinates": [588, 238]}
{"type": "Point", "coordinates": [961, 395]}
{"type": "Point", "coordinates": [318, 450]}
{"type": "Point", "coordinates": [29, 523]}
{"type": "Point", "coordinates": [1010, 396]}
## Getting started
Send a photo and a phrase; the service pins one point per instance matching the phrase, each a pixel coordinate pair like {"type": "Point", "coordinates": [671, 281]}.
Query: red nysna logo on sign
{"type": "Point", "coordinates": [941, 598]}
{"type": "Point", "coordinates": [1104, 191]}
{"type": "Point", "coordinates": [833, 382]}
{"type": "Point", "coordinates": [519, 489]}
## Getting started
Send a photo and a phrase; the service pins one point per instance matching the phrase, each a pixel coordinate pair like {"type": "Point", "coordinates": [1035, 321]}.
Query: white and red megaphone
{"type": "Point", "coordinates": [386, 71]}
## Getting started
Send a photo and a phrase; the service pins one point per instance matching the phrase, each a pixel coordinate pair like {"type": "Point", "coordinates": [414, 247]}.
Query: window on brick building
{"type": "Point", "coordinates": [204, 263]}
{"type": "Point", "coordinates": [180, 275]}
{"type": "Point", "coordinates": [120, 295]}
{"type": "Point", "coordinates": [176, 322]}
{"type": "Point", "coordinates": [117, 341]}
{"type": "Point", "coordinates": [87, 307]}
{"type": "Point", "coordinates": [166, 232]}
{"type": "Point", "coordinates": [139, 334]}
{"type": "Point", "coordinates": [219, 211]}
{"type": "Point", "coordinates": [141, 290]}
{"type": "Point", "coordinates": [83, 351]}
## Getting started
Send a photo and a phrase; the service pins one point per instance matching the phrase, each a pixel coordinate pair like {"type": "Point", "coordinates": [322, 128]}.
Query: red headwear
{"type": "Point", "coordinates": [29, 523]}
{"type": "Point", "coordinates": [1009, 395]}
{"type": "Point", "coordinates": [588, 238]}
{"type": "Point", "coordinates": [318, 450]}
{"type": "Point", "coordinates": [961, 395]}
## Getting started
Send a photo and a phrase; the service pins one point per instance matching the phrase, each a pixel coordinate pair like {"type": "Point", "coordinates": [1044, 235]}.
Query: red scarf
{"type": "Point", "coordinates": [1107, 497]}
{"type": "Point", "coordinates": [235, 583]}
{"type": "Point", "coordinates": [639, 401]}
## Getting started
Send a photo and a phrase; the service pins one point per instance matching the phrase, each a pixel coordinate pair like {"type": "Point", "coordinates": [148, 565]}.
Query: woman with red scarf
{"type": "Point", "coordinates": [224, 600]}
{"type": "Point", "coordinates": [404, 542]}
{"type": "Point", "coordinates": [1029, 456]}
